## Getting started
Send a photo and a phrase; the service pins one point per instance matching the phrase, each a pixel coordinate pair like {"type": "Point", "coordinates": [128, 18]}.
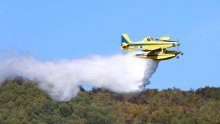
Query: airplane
{"type": "Point", "coordinates": [155, 49]}
{"type": "Point", "coordinates": [147, 44]}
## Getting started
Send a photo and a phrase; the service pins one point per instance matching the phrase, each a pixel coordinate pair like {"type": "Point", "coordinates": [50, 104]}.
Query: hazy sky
{"type": "Point", "coordinates": [52, 30]}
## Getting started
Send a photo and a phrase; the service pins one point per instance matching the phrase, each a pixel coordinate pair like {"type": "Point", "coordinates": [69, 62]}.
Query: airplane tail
{"type": "Point", "coordinates": [125, 39]}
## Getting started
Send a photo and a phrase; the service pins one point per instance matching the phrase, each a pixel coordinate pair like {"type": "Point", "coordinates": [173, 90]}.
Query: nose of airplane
{"type": "Point", "coordinates": [177, 43]}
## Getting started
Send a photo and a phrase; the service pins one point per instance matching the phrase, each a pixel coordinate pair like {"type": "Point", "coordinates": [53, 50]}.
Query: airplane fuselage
{"type": "Point", "coordinates": [150, 45]}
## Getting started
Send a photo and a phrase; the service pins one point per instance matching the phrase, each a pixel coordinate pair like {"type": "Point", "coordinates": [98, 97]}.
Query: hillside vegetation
{"type": "Point", "coordinates": [25, 103]}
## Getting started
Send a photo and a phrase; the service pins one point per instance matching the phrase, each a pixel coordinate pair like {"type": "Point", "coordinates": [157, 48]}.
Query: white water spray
{"type": "Point", "coordinates": [61, 79]}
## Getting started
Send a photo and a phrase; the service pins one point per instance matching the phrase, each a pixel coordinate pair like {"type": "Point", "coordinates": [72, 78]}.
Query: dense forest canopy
{"type": "Point", "coordinates": [25, 103]}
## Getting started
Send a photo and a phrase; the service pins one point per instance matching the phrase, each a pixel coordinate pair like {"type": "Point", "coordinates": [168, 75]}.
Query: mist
{"type": "Point", "coordinates": [61, 79]}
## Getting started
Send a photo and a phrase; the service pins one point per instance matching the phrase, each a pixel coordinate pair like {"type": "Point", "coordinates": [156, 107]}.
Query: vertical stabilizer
{"type": "Point", "coordinates": [125, 39]}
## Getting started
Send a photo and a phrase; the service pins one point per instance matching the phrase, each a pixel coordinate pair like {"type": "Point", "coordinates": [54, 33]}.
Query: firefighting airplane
{"type": "Point", "coordinates": [155, 49]}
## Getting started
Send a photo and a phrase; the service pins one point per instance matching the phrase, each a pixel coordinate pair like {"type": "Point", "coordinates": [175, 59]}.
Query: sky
{"type": "Point", "coordinates": [55, 29]}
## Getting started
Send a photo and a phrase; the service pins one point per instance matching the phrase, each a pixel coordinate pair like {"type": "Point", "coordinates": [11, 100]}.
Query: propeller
{"type": "Point", "coordinates": [178, 46]}
{"type": "Point", "coordinates": [181, 54]}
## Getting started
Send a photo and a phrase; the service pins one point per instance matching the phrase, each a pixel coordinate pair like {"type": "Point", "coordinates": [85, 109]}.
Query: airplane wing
{"type": "Point", "coordinates": [152, 50]}
{"type": "Point", "coordinates": [165, 38]}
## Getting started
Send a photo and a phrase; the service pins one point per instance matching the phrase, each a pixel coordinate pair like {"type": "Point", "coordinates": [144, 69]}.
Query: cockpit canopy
{"type": "Point", "coordinates": [148, 38]}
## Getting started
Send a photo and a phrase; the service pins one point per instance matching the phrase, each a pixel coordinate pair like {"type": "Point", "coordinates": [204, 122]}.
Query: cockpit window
{"type": "Point", "coordinates": [149, 39]}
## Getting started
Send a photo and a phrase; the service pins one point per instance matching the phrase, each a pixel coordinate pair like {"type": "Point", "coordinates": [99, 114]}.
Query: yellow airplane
{"type": "Point", "coordinates": [153, 48]}
{"type": "Point", "coordinates": [147, 44]}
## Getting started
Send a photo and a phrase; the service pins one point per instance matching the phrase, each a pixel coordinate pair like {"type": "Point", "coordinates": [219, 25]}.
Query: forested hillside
{"type": "Point", "coordinates": [25, 103]}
